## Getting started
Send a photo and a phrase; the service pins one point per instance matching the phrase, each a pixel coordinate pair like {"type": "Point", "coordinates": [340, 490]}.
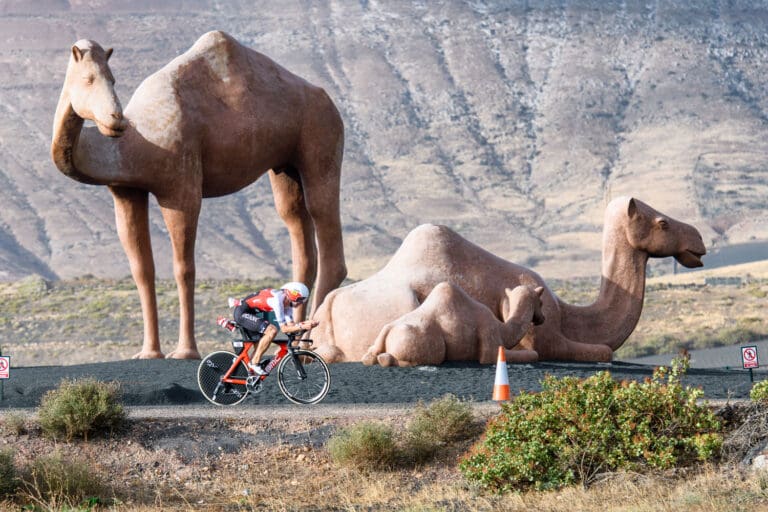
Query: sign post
{"type": "Point", "coordinates": [5, 371]}
{"type": "Point", "coordinates": [749, 360]}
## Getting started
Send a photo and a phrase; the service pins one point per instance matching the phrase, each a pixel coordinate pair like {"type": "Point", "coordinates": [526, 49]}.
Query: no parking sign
{"type": "Point", "coordinates": [5, 367]}
{"type": "Point", "coordinates": [749, 357]}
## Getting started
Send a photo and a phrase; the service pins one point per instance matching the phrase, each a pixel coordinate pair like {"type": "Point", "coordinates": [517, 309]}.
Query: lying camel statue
{"type": "Point", "coordinates": [452, 326]}
{"type": "Point", "coordinates": [352, 317]}
{"type": "Point", "coordinates": [208, 124]}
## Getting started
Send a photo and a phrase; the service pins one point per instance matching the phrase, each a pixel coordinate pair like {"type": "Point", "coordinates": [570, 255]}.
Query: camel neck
{"type": "Point", "coordinates": [613, 316]}
{"type": "Point", "coordinates": [69, 139]}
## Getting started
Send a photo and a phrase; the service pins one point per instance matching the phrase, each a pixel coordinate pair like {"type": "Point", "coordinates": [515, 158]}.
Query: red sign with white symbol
{"type": "Point", "coordinates": [5, 367]}
{"type": "Point", "coordinates": [749, 357]}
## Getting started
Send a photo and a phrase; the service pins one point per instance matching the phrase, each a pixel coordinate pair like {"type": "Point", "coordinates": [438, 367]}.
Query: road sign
{"type": "Point", "coordinates": [5, 367]}
{"type": "Point", "coordinates": [749, 357]}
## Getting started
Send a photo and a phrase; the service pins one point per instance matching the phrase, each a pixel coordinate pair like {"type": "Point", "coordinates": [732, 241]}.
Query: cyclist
{"type": "Point", "coordinates": [252, 311]}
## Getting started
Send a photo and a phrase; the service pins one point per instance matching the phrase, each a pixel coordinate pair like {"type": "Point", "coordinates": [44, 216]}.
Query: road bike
{"type": "Point", "coordinates": [302, 375]}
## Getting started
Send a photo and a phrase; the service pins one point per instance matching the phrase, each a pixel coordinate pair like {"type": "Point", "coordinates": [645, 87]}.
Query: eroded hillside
{"type": "Point", "coordinates": [513, 123]}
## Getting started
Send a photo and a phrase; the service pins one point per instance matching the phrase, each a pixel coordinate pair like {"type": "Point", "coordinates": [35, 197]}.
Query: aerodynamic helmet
{"type": "Point", "coordinates": [296, 292]}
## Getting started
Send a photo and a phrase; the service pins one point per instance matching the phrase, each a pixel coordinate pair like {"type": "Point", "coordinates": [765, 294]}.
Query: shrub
{"type": "Point", "coordinates": [57, 483]}
{"type": "Point", "coordinates": [8, 478]}
{"type": "Point", "coordinates": [445, 420]}
{"type": "Point", "coordinates": [364, 445]}
{"type": "Point", "coordinates": [759, 392]}
{"type": "Point", "coordinates": [80, 408]}
{"type": "Point", "coordinates": [15, 423]}
{"type": "Point", "coordinates": [575, 429]}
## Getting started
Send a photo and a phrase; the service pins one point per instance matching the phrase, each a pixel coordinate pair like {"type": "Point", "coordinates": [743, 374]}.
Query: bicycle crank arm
{"type": "Point", "coordinates": [253, 384]}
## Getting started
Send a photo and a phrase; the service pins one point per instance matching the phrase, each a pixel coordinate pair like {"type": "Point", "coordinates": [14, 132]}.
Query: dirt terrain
{"type": "Point", "coordinates": [274, 457]}
{"type": "Point", "coordinates": [213, 461]}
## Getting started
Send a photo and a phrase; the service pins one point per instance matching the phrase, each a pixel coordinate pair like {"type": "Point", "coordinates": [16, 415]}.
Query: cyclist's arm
{"type": "Point", "coordinates": [290, 326]}
{"type": "Point", "coordinates": [285, 318]}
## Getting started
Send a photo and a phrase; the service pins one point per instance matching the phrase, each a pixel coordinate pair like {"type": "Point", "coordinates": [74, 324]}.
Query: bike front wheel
{"type": "Point", "coordinates": [303, 377]}
{"type": "Point", "coordinates": [210, 372]}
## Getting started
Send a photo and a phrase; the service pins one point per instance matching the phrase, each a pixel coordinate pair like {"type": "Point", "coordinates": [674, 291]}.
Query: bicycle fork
{"type": "Point", "coordinates": [299, 366]}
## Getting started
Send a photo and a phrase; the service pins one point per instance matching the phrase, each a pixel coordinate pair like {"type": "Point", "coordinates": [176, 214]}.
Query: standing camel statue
{"type": "Point", "coordinates": [352, 317]}
{"type": "Point", "coordinates": [208, 124]}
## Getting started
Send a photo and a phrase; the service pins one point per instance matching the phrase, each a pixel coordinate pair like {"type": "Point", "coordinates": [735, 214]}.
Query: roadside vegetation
{"type": "Point", "coordinates": [79, 408]}
{"type": "Point", "coordinates": [609, 445]}
{"type": "Point", "coordinates": [374, 445]}
{"type": "Point", "coordinates": [579, 444]}
{"type": "Point", "coordinates": [576, 430]}
{"type": "Point", "coordinates": [56, 480]}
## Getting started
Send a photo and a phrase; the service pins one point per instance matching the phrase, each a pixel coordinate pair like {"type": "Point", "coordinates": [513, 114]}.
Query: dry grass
{"type": "Point", "coordinates": [681, 311]}
{"type": "Point", "coordinates": [257, 465]}
{"type": "Point", "coordinates": [91, 320]}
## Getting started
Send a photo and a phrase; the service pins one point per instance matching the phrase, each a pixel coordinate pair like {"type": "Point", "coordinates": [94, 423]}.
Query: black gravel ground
{"type": "Point", "coordinates": [173, 382]}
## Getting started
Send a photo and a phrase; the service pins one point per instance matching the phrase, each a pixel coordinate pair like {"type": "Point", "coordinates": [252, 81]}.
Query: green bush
{"type": "Point", "coordinates": [55, 483]}
{"type": "Point", "coordinates": [364, 445]}
{"type": "Point", "coordinates": [575, 429]}
{"type": "Point", "coordinates": [80, 408]}
{"type": "Point", "coordinates": [759, 392]}
{"type": "Point", "coordinates": [8, 477]}
{"type": "Point", "coordinates": [432, 427]}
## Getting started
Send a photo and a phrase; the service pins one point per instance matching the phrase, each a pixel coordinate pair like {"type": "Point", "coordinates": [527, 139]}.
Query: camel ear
{"type": "Point", "coordinates": [108, 53]}
{"type": "Point", "coordinates": [77, 54]}
{"type": "Point", "coordinates": [539, 290]}
{"type": "Point", "coordinates": [632, 208]}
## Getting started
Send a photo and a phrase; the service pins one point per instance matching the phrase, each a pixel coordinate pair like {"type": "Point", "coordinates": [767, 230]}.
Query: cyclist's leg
{"type": "Point", "coordinates": [258, 327]}
{"type": "Point", "coordinates": [270, 331]}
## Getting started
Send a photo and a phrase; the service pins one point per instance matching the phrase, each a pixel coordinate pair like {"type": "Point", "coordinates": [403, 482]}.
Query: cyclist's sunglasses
{"type": "Point", "coordinates": [299, 301]}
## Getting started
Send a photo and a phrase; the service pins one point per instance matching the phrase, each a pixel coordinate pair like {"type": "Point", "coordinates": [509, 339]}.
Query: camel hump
{"type": "Point", "coordinates": [213, 39]}
{"type": "Point", "coordinates": [438, 246]}
{"type": "Point", "coordinates": [429, 233]}
{"type": "Point", "coordinates": [432, 239]}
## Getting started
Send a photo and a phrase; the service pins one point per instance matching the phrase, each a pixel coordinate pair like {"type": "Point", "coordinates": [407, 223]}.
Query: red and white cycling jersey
{"type": "Point", "coordinates": [271, 299]}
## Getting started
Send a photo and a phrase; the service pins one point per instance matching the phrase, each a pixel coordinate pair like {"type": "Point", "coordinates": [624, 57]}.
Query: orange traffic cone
{"type": "Point", "coordinates": [501, 385]}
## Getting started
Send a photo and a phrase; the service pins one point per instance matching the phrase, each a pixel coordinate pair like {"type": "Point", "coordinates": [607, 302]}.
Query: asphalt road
{"type": "Point", "coordinates": [173, 382]}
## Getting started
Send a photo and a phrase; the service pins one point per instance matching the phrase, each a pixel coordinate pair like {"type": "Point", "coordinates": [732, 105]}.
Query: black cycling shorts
{"type": "Point", "coordinates": [250, 319]}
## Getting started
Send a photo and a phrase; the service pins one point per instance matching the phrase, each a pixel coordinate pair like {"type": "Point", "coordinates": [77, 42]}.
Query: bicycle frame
{"type": "Point", "coordinates": [285, 348]}
{"type": "Point", "coordinates": [225, 378]}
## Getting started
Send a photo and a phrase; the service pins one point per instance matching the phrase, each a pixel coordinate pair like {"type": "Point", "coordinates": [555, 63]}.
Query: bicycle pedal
{"type": "Point", "coordinates": [253, 384]}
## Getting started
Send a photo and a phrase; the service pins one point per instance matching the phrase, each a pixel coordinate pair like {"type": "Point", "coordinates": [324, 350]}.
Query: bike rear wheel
{"type": "Point", "coordinates": [212, 368]}
{"type": "Point", "coordinates": [304, 377]}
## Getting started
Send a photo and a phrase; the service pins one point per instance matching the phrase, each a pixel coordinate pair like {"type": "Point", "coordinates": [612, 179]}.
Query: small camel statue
{"type": "Point", "coordinates": [352, 317]}
{"type": "Point", "coordinates": [209, 123]}
{"type": "Point", "coordinates": [452, 326]}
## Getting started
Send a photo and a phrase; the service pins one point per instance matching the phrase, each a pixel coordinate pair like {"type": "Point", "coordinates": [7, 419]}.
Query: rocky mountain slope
{"type": "Point", "coordinates": [511, 122]}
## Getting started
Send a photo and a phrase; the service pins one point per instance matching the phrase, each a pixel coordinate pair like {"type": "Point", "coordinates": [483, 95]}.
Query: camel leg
{"type": "Point", "coordinates": [324, 332]}
{"type": "Point", "coordinates": [411, 344]}
{"type": "Point", "coordinates": [520, 356]}
{"type": "Point", "coordinates": [181, 214]}
{"type": "Point", "coordinates": [414, 339]}
{"type": "Point", "coordinates": [320, 170]}
{"type": "Point", "coordinates": [379, 347]}
{"type": "Point", "coordinates": [564, 349]}
{"type": "Point", "coordinates": [290, 205]}
{"type": "Point", "coordinates": [132, 221]}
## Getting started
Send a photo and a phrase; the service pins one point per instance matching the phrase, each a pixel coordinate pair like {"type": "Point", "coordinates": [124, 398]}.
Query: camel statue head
{"type": "Point", "coordinates": [523, 304]}
{"type": "Point", "coordinates": [90, 86]}
{"type": "Point", "coordinates": [656, 234]}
